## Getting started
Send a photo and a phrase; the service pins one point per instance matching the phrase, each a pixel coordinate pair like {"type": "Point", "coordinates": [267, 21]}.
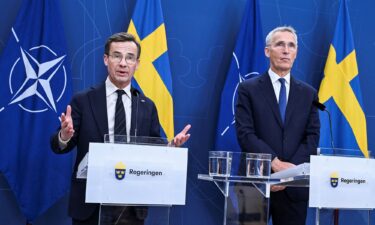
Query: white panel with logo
{"type": "Point", "coordinates": [136, 174]}
{"type": "Point", "coordinates": [342, 182]}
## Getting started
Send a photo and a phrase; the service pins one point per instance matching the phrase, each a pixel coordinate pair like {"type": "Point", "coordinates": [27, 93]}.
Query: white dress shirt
{"type": "Point", "coordinates": [111, 95]}
{"type": "Point", "coordinates": [277, 85]}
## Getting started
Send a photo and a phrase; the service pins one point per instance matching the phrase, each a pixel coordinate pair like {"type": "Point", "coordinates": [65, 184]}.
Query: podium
{"type": "Point", "coordinates": [135, 179]}
{"type": "Point", "coordinates": [341, 179]}
{"type": "Point", "coordinates": [246, 199]}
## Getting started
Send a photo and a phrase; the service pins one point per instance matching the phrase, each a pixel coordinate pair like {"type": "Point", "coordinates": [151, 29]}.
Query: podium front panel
{"type": "Point", "coordinates": [342, 182]}
{"type": "Point", "coordinates": [136, 174]}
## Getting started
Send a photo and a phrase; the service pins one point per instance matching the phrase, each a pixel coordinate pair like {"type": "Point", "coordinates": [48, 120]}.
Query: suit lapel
{"type": "Point", "coordinates": [98, 104]}
{"type": "Point", "coordinates": [292, 99]}
{"type": "Point", "coordinates": [266, 88]}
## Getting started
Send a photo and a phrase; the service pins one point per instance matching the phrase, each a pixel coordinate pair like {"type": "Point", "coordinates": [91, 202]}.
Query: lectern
{"type": "Point", "coordinates": [246, 199]}
{"type": "Point", "coordinates": [342, 179]}
{"type": "Point", "coordinates": [142, 176]}
{"type": "Point", "coordinates": [336, 182]}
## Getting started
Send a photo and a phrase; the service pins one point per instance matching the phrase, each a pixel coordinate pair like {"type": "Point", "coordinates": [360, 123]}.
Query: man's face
{"type": "Point", "coordinates": [282, 52]}
{"type": "Point", "coordinates": [121, 62]}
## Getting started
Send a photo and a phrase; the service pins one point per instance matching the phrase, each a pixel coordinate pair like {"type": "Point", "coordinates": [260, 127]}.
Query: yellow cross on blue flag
{"type": "Point", "coordinates": [340, 91]}
{"type": "Point", "coordinates": [153, 75]}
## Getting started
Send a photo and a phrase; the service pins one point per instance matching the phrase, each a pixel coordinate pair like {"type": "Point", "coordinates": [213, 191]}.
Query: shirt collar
{"type": "Point", "coordinates": [111, 88]}
{"type": "Point", "coordinates": [275, 78]}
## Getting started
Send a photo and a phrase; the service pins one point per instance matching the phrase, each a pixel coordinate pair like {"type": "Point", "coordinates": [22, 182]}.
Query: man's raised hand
{"type": "Point", "coordinates": [67, 129]}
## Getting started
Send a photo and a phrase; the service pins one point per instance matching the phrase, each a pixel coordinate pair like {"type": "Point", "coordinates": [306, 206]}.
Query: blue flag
{"type": "Point", "coordinates": [248, 61]}
{"type": "Point", "coordinates": [340, 91]}
{"type": "Point", "coordinates": [35, 87]}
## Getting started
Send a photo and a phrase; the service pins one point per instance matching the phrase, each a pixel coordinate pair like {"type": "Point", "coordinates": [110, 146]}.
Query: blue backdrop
{"type": "Point", "coordinates": [201, 36]}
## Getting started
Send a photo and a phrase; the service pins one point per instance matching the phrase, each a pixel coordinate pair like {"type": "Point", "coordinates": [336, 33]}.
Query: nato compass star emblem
{"type": "Point", "coordinates": [38, 77]}
{"type": "Point", "coordinates": [241, 78]}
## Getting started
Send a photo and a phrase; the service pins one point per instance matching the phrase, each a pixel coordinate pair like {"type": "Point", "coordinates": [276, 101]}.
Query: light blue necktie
{"type": "Point", "coordinates": [282, 99]}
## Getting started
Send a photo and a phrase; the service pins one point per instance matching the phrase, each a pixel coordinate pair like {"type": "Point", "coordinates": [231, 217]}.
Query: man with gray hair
{"type": "Point", "coordinates": [275, 114]}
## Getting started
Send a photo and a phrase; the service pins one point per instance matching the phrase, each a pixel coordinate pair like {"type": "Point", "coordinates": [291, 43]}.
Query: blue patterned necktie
{"type": "Point", "coordinates": [120, 119]}
{"type": "Point", "coordinates": [282, 99]}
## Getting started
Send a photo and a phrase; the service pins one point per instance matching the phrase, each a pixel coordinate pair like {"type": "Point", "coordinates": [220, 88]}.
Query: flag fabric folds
{"type": "Point", "coordinates": [340, 91]}
{"type": "Point", "coordinates": [35, 88]}
{"type": "Point", "coordinates": [248, 60]}
{"type": "Point", "coordinates": [153, 75]}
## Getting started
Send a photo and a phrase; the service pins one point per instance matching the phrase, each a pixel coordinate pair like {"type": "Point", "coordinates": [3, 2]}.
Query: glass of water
{"type": "Point", "coordinates": [258, 165]}
{"type": "Point", "coordinates": [219, 163]}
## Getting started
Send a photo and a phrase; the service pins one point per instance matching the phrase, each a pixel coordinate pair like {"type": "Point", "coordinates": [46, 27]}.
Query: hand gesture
{"type": "Point", "coordinates": [182, 137]}
{"type": "Point", "coordinates": [67, 129]}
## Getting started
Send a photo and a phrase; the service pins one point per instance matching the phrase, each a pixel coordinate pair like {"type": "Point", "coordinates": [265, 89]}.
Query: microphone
{"type": "Point", "coordinates": [319, 105]}
{"type": "Point", "coordinates": [136, 93]}
{"type": "Point", "coordinates": [323, 108]}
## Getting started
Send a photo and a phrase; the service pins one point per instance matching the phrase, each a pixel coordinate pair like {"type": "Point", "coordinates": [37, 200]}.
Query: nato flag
{"type": "Point", "coordinates": [35, 87]}
{"type": "Point", "coordinates": [248, 61]}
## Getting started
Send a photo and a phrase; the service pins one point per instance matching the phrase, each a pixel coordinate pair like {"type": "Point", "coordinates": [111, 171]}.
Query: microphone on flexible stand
{"type": "Point", "coordinates": [141, 211]}
{"type": "Point", "coordinates": [136, 94]}
{"type": "Point", "coordinates": [323, 108]}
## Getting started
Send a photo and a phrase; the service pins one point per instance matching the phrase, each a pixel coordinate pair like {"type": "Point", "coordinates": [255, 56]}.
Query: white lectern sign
{"type": "Point", "coordinates": [136, 174]}
{"type": "Point", "coordinates": [342, 182]}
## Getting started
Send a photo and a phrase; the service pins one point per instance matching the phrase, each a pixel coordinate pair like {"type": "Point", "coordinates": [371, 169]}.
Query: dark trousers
{"type": "Point", "coordinates": [287, 211]}
{"type": "Point", "coordinates": [92, 220]}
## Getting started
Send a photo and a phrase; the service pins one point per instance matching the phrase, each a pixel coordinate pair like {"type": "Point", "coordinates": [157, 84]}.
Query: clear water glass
{"type": "Point", "coordinates": [219, 163]}
{"type": "Point", "coordinates": [258, 165]}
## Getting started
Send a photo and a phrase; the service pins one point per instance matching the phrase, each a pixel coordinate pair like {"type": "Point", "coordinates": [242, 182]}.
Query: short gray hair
{"type": "Point", "coordinates": [281, 29]}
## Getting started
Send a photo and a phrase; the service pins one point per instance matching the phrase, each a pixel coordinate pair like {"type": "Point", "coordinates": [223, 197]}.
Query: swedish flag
{"type": "Point", "coordinates": [340, 90]}
{"type": "Point", "coordinates": [153, 75]}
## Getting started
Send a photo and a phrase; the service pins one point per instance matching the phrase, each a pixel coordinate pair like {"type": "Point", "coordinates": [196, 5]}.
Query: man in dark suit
{"type": "Point", "coordinates": [275, 114]}
{"type": "Point", "coordinates": [96, 112]}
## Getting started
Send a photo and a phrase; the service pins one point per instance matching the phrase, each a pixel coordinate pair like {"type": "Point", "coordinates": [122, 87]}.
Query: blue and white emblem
{"type": "Point", "coordinates": [30, 78]}
{"type": "Point", "coordinates": [241, 78]}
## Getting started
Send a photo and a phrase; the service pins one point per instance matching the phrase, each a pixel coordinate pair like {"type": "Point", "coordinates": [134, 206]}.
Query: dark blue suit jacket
{"type": "Point", "coordinates": [89, 114]}
{"type": "Point", "coordinates": [260, 129]}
